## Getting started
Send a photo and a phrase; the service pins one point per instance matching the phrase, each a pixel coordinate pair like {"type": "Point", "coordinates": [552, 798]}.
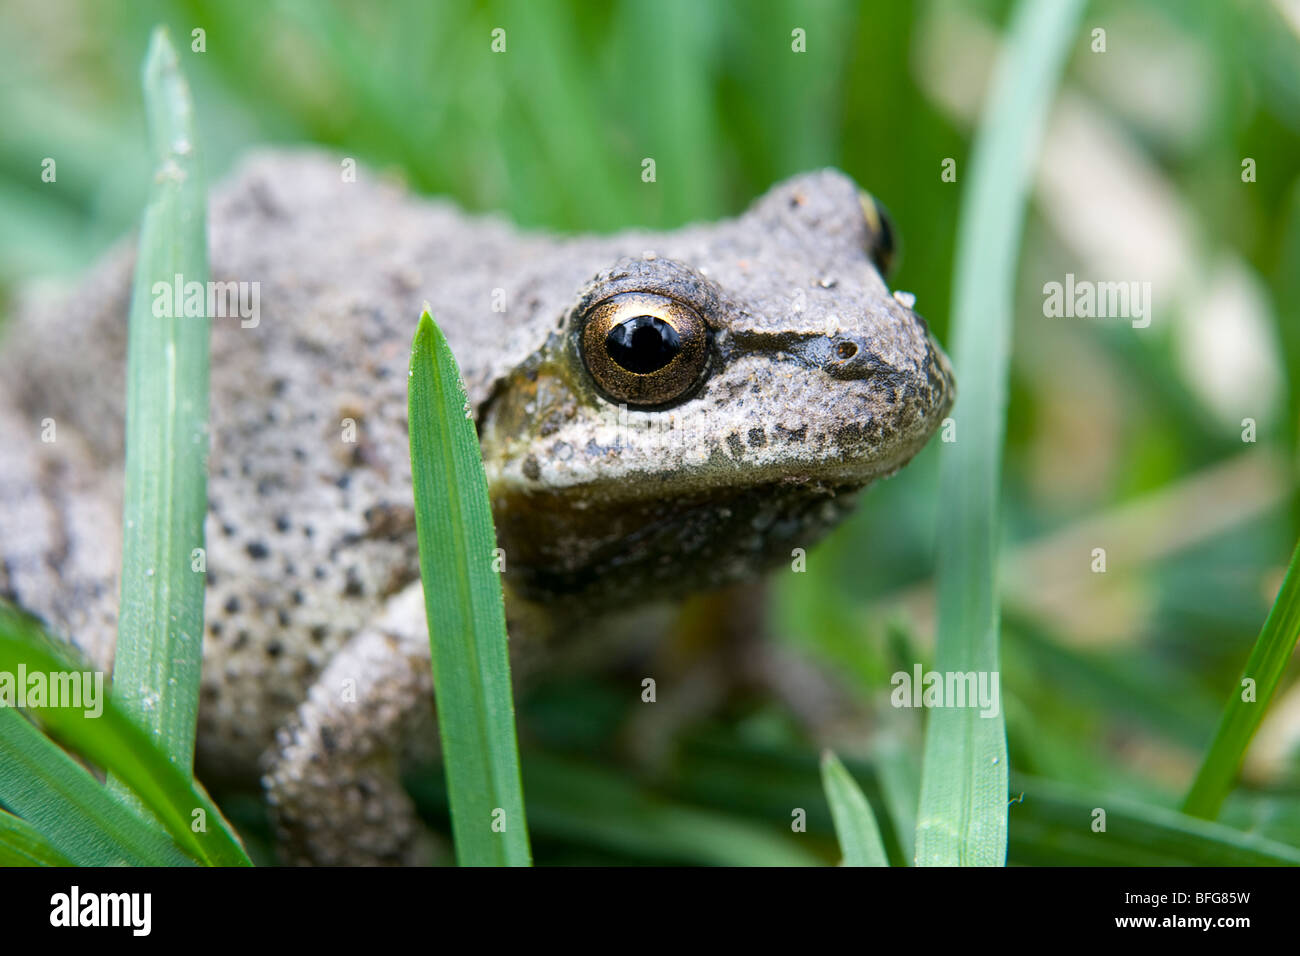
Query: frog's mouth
{"type": "Point", "coordinates": [656, 548]}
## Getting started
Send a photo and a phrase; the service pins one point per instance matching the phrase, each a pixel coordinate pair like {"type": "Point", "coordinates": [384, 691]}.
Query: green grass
{"type": "Point", "coordinates": [466, 617]}
{"type": "Point", "coordinates": [23, 845]}
{"type": "Point", "coordinates": [601, 811]}
{"type": "Point", "coordinates": [58, 798]}
{"type": "Point", "coordinates": [160, 625]}
{"type": "Point", "coordinates": [151, 812]}
{"type": "Point", "coordinates": [1053, 826]}
{"type": "Point", "coordinates": [1268, 661]}
{"type": "Point", "coordinates": [79, 816]}
{"type": "Point", "coordinates": [855, 824]}
{"type": "Point", "coordinates": [963, 813]}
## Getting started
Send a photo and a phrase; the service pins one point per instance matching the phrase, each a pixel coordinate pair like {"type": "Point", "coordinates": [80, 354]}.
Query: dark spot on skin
{"type": "Point", "coordinates": [297, 597]}
{"type": "Point", "coordinates": [532, 470]}
{"type": "Point", "coordinates": [212, 580]}
{"type": "Point", "coordinates": [735, 444]}
{"type": "Point", "coordinates": [245, 468]}
{"type": "Point", "coordinates": [319, 633]}
{"type": "Point", "coordinates": [274, 649]}
{"type": "Point", "coordinates": [848, 434]}
{"type": "Point", "coordinates": [358, 456]}
{"type": "Point", "coordinates": [282, 616]}
{"type": "Point", "coordinates": [232, 605]}
{"type": "Point", "coordinates": [228, 530]}
{"type": "Point", "coordinates": [354, 587]}
{"type": "Point", "coordinates": [299, 455]}
{"type": "Point", "coordinates": [290, 569]}
{"type": "Point", "coordinates": [343, 481]}
{"type": "Point", "coordinates": [308, 530]}
{"type": "Point", "coordinates": [319, 573]}
{"type": "Point", "coordinates": [797, 435]}
{"type": "Point", "coordinates": [241, 639]}
{"type": "Point", "coordinates": [327, 741]}
{"type": "Point", "coordinates": [282, 523]}
{"type": "Point", "coordinates": [278, 385]}
{"type": "Point", "coordinates": [256, 550]}
{"type": "Point", "coordinates": [214, 628]}
{"type": "Point", "coordinates": [756, 438]}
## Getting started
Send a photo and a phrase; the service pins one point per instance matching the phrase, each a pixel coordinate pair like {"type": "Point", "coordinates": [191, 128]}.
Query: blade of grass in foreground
{"type": "Point", "coordinates": [462, 597]}
{"type": "Point", "coordinates": [59, 798]}
{"type": "Point", "coordinates": [22, 845]}
{"type": "Point", "coordinates": [1241, 718]}
{"type": "Point", "coordinates": [107, 736]}
{"type": "Point", "coordinates": [962, 818]}
{"type": "Point", "coordinates": [160, 628]}
{"type": "Point", "coordinates": [855, 824]}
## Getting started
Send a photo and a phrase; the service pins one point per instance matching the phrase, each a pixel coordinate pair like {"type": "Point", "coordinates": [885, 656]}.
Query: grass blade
{"type": "Point", "coordinates": [113, 741]}
{"type": "Point", "coordinates": [855, 824]}
{"type": "Point", "coordinates": [22, 845]}
{"type": "Point", "coordinates": [467, 628]}
{"type": "Point", "coordinates": [1051, 822]}
{"type": "Point", "coordinates": [898, 769]}
{"type": "Point", "coordinates": [1241, 718]}
{"type": "Point", "coordinates": [963, 812]}
{"type": "Point", "coordinates": [1052, 826]}
{"type": "Point", "coordinates": [572, 801]}
{"type": "Point", "coordinates": [160, 628]}
{"type": "Point", "coordinates": [59, 798]}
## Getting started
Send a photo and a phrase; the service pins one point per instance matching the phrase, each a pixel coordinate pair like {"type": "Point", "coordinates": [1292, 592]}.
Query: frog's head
{"type": "Point", "coordinates": [704, 408]}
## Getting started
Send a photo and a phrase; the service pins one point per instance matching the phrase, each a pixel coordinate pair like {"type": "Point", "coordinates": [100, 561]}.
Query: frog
{"type": "Point", "coordinates": [659, 412]}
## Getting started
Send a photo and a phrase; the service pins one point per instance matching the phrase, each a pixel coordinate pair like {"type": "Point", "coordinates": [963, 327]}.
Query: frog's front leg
{"type": "Point", "coordinates": [333, 783]}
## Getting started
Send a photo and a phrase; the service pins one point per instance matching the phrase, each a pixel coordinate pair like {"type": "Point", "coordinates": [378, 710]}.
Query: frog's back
{"type": "Point", "coordinates": [310, 526]}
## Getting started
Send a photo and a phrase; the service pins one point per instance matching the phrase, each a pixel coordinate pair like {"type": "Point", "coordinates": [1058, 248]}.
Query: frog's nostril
{"type": "Point", "coordinates": [848, 358]}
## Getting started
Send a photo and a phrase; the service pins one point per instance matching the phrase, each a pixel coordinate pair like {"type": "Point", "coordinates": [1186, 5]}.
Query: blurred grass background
{"type": "Point", "coordinates": [1118, 438]}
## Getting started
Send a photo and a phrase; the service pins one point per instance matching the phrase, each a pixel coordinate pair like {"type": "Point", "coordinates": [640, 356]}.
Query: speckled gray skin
{"type": "Point", "coordinates": [316, 656]}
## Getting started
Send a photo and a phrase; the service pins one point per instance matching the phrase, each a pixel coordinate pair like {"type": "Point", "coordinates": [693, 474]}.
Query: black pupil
{"type": "Point", "coordinates": [643, 344]}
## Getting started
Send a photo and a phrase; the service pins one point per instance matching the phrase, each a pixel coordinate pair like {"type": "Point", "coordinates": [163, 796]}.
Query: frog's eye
{"type": "Point", "coordinates": [644, 349]}
{"type": "Point", "coordinates": [882, 237]}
